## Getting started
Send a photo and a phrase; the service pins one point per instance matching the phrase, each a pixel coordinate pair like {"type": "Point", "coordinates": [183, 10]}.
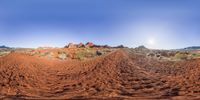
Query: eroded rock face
{"type": "Point", "coordinates": [120, 46]}
{"type": "Point", "coordinates": [71, 45]}
{"type": "Point", "coordinates": [89, 45]}
{"type": "Point", "coordinates": [81, 45]}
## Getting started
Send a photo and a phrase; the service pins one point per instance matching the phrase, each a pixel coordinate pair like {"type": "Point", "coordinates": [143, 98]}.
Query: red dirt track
{"type": "Point", "coordinates": [121, 74]}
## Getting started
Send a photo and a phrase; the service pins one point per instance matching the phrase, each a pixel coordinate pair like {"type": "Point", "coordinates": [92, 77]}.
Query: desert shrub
{"type": "Point", "coordinates": [3, 53]}
{"type": "Point", "coordinates": [50, 54]}
{"type": "Point", "coordinates": [35, 54]}
{"type": "Point", "coordinates": [103, 51]}
{"type": "Point", "coordinates": [151, 54]}
{"type": "Point", "coordinates": [44, 54]}
{"type": "Point", "coordinates": [196, 55]}
{"type": "Point", "coordinates": [182, 56]}
{"type": "Point", "coordinates": [99, 52]}
{"type": "Point", "coordinates": [62, 55]}
{"type": "Point", "coordinates": [171, 54]}
{"type": "Point", "coordinates": [79, 56]}
{"type": "Point", "coordinates": [87, 53]}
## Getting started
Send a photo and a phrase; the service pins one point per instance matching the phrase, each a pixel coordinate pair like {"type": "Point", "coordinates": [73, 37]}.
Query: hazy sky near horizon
{"type": "Point", "coordinates": [163, 24]}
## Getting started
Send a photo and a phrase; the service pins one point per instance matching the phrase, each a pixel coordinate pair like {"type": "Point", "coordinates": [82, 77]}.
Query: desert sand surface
{"type": "Point", "coordinates": [118, 75]}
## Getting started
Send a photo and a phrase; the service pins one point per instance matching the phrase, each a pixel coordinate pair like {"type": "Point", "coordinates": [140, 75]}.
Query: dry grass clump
{"type": "Point", "coordinates": [4, 53]}
{"type": "Point", "coordinates": [183, 56]}
{"type": "Point", "coordinates": [62, 55]}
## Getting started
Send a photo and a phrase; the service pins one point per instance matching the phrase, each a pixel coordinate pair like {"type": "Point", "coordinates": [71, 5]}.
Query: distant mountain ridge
{"type": "Point", "coordinates": [192, 48]}
{"type": "Point", "coordinates": [3, 46]}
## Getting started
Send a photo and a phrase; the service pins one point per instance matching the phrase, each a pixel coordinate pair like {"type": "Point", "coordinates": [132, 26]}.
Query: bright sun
{"type": "Point", "coordinates": [151, 42]}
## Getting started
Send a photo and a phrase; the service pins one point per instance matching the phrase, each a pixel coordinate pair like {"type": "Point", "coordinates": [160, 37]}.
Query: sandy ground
{"type": "Point", "coordinates": [121, 74]}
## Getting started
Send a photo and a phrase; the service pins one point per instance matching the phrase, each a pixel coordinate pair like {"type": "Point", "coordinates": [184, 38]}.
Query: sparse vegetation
{"type": "Point", "coordinates": [196, 55]}
{"type": "Point", "coordinates": [44, 54]}
{"type": "Point", "coordinates": [99, 52]}
{"type": "Point", "coordinates": [4, 53]}
{"type": "Point", "coordinates": [62, 55]}
{"type": "Point", "coordinates": [106, 50]}
{"type": "Point", "coordinates": [86, 53]}
{"type": "Point", "coordinates": [35, 53]}
{"type": "Point", "coordinates": [78, 53]}
{"type": "Point", "coordinates": [182, 55]}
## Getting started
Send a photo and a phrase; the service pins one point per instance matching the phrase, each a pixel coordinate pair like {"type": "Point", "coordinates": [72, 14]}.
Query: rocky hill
{"type": "Point", "coordinates": [192, 48]}
{"type": "Point", "coordinates": [3, 46]}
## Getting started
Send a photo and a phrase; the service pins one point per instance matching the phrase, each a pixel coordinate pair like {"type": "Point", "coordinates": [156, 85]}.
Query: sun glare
{"type": "Point", "coordinates": [151, 42]}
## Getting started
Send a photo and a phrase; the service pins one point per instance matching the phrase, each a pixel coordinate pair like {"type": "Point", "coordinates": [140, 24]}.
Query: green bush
{"type": "Point", "coordinates": [182, 56]}
{"type": "Point", "coordinates": [196, 55]}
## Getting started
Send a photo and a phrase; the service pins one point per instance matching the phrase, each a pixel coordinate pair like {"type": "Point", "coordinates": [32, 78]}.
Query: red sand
{"type": "Point", "coordinates": [121, 74]}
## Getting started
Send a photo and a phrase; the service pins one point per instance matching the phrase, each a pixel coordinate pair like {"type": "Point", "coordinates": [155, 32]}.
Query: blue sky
{"type": "Point", "coordinates": [162, 24]}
